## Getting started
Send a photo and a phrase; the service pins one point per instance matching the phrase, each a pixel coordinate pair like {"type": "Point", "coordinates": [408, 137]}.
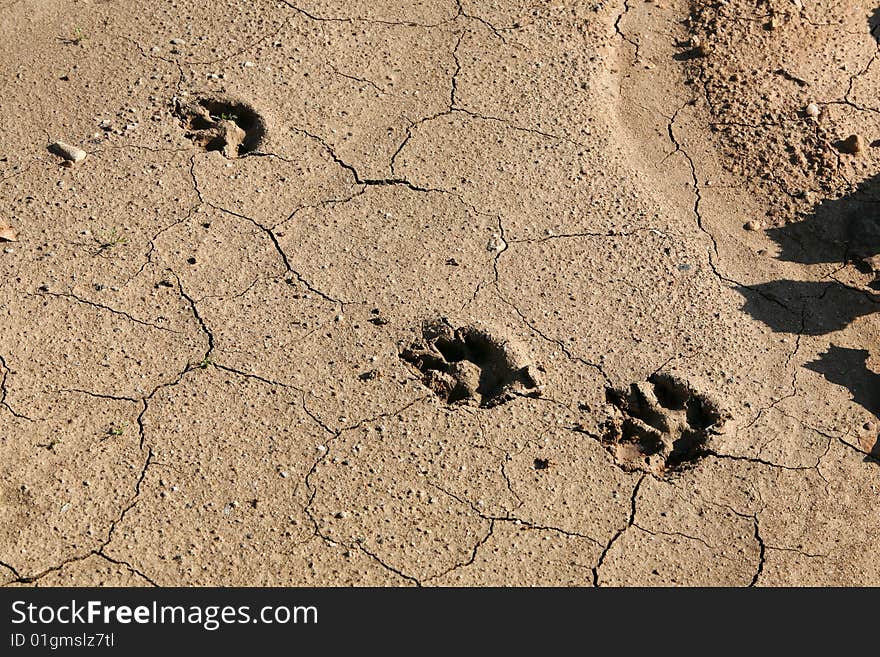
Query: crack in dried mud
{"type": "Point", "coordinates": [657, 532]}
{"type": "Point", "coordinates": [270, 233]}
{"type": "Point", "coordinates": [619, 31]}
{"type": "Point", "coordinates": [565, 350]}
{"type": "Point", "coordinates": [762, 552]}
{"type": "Point", "coordinates": [630, 522]}
{"type": "Point", "coordinates": [4, 391]}
{"type": "Point", "coordinates": [99, 551]}
{"type": "Point", "coordinates": [508, 518]}
{"type": "Point", "coordinates": [95, 304]}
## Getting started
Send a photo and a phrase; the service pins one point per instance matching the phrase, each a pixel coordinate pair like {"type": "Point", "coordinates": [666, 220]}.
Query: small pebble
{"type": "Point", "coordinates": [812, 110]}
{"type": "Point", "coordinates": [753, 225]}
{"type": "Point", "coordinates": [852, 145]}
{"type": "Point", "coordinates": [496, 243]}
{"type": "Point", "coordinates": [68, 152]}
{"type": "Point", "coordinates": [178, 42]}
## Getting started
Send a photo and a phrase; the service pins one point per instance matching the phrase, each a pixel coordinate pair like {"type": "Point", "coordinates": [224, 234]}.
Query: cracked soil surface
{"type": "Point", "coordinates": [440, 293]}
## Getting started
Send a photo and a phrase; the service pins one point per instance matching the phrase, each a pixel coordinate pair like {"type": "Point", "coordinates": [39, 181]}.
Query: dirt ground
{"type": "Point", "coordinates": [439, 293]}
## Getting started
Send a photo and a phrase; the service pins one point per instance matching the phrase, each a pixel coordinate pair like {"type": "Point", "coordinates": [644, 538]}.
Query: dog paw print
{"type": "Point", "coordinates": [659, 425]}
{"type": "Point", "coordinates": [221, 124]}
{"type": "Point", "coordinates": [467, 365]}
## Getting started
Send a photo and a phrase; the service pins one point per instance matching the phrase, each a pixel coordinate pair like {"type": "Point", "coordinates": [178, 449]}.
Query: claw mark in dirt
{"type": "Point", "coordinates": [221, 124]}
{"type": "Point", "coordinates": [468, 365]}
{"type": "Point", "coordinates": [660, 425]}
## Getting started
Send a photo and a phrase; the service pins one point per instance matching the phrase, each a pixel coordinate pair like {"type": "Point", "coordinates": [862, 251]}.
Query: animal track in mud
{"type": "Point", "coordinates": [468, 365]}
{"type": "Point", "coordinates": [660, 425]}
{"type": "Point", "coordinates": [221, 124]}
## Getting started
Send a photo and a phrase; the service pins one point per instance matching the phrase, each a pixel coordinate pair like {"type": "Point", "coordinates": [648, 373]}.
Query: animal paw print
{"type": "Point", "coordinates": [219, 124]}
{"type": "Point", "coordinates": [468, 366]}
{"type": "Point", "coordinates": [660, 425]}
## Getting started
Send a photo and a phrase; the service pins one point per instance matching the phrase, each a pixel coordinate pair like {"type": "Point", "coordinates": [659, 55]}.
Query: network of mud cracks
{"type": "Point", "coordinates": [656, 426]}
{"type": "Point", "coordinates": [218, 123]}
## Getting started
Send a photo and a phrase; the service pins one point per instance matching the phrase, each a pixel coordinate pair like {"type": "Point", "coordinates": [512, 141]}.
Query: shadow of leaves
{"type": "Point", "coordinates": [845, 230]}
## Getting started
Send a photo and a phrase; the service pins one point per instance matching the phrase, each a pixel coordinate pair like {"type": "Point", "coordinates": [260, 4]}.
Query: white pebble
{"type": "Point", "coordinates": [496, 243]}
{"type": "Point", "coordinates": [812, 110]}
{"type": "Point", "coordinates": [68, 152]}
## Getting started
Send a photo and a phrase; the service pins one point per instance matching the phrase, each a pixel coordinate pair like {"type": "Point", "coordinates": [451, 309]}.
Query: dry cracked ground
{"type": "Point", "coordinates": [440, 293]}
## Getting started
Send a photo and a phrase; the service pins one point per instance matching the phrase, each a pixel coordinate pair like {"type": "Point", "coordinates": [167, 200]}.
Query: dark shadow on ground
{"type": "Point", "coordinates": [806, 307]}
{"type": "Point", "coordinates": [842, 230]}
{"type": "Point", "coordinates": [847, 367]}
{"type": "Point", "coordinates": [688, 55]}
{"type": "Point", "coordinates": [874, 24]}
{"type": "Point", "coordinates": [838, 230]}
